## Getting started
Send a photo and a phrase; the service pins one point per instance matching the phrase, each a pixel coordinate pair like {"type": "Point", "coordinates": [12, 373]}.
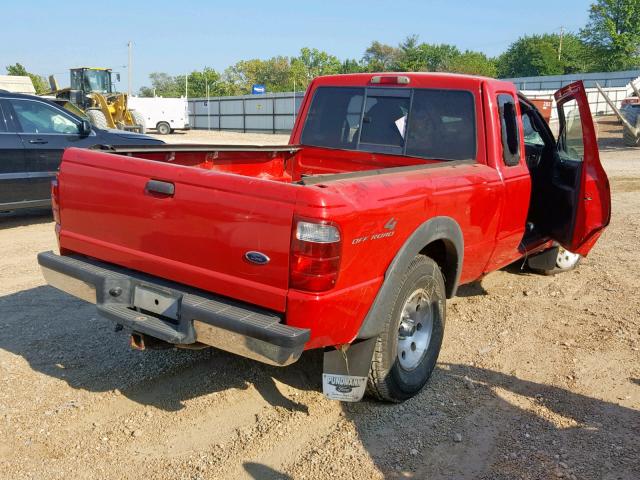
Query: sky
{"type": "Point", "coordinates": [181, 36]}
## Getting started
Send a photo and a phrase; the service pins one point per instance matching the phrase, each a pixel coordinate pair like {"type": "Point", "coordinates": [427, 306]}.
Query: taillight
{"type": "Point", "coordinates": [55, 201]}
{"type": "Point", "coordinates": [315, 256]}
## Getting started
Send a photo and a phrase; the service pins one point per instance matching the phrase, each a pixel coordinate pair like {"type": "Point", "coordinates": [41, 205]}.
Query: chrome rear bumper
{"type": "Point", "coordinates": [217, 321]}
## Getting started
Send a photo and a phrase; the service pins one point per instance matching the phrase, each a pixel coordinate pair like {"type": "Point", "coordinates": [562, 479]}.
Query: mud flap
{"type": "Point", "coordinates": [545, 260]}
{"type": "Point", "coordinates": [345, 371]}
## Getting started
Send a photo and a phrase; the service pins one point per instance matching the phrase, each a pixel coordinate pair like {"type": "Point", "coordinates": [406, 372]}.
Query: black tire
{"type": "Point", "coordinates": [163, 128]}
{"type": "Point", "coordinates": [138, 119]}
{"type": "Point", "coordinates": [97, 118]}
{"type": "Point", "coordinates": [388, 379]}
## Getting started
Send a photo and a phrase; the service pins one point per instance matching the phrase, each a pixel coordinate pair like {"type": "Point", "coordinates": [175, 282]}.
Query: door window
{"type": "Point", "coordinates": [38, 117]}
{"type": "Point", "coordinates": [570, 140]}
{"type": "Point", "coordinates": [509, 130]}
{"type": "Point", "coordinates": [531, 136]}
{"type": "Point", "coordinates": [3, 124]}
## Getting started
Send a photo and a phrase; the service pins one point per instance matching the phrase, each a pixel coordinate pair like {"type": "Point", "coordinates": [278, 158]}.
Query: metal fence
{"type": "Point", "coordinates": [617, 85]}
{"type": "Point", "coordinates": [266, 113]}
{"type": "Point", "coordinates": [554, 82]}
{"type": "Point", "coordinates": [276, 112]}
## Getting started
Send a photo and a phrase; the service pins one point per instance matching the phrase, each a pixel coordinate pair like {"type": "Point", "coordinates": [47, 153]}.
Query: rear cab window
{"type": "Point", "coordinates": [434, 124]}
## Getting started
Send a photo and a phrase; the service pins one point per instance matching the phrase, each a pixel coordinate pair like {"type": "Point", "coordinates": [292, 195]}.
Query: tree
{"type": "Point", "coordinates": [380, 57]}
{"type": "Point", "coordinates": [541, 55]}
{"type": "Point", "coordinates": [162, 85]}
{"type": "Point", "coordinates": [165, 85]}
{"type": "Point", "coordinates": [312, 63]}
{"type": "Point", "coordinates": [275, 74]}
{"type": "Point", "coordinates": [472, 63]}
{"type": "Point", "coordinates": [39, 83]}
{"type": "Point", "coordinates": [613, 33]}
{"type": "Point", "coordinates": [351, 65]}
{"type": "Point", "coordinates": [423, 57]}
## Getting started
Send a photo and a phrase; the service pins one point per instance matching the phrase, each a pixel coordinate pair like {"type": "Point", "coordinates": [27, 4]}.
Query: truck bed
{"type": "Point", "coordinates": [282, 163]}
{"type": "Point", "coordinates": [192, 213]}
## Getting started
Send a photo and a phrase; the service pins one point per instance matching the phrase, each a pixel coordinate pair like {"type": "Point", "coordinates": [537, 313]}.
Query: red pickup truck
{"type": "Point", "coordinates": [393, 190]}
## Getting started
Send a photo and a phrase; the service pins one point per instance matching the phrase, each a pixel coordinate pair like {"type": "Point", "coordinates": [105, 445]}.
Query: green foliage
{"type": "Point", "coordinates": [411, 56]}
{"type": "Point", "coordinates": [39, 83]}
{"type": "Point", "coordinates": [164, 85]}
{"type": "Point", "coordinates": [380, 57]}
{"type": "Point", "coordinates": [613, 34]}
{"type": "Point", "coordinates": [472, 63]}
{"type": "Point", "coordinates": [541, 55]}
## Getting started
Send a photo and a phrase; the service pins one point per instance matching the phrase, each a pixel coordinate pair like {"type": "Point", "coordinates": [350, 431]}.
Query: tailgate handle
{"type": "Point", "coordinates": [163, 188]}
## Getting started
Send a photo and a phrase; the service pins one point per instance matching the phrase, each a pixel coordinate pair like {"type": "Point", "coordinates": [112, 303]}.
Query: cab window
{"type": "Point", "coordinates": [38, 117]}
{"type": "Point", "coordinates": [433, 124]}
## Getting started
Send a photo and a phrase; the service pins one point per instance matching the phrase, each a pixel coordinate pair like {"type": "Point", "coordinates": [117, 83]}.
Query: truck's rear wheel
{"type": "Point", "coordinates": [163, 128]}
{"type": "Point", "coordinates": [407, 350]}
{"type": "Point", "coordinates": [97, 118]}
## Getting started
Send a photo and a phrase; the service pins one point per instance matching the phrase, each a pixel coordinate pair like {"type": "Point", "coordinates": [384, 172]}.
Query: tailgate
{"type": "Point", "coordinates": [198, 235]}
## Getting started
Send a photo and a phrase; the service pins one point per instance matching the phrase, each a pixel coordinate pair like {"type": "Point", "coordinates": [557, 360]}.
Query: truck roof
{"type": "Point", "coordinates": [416, 79]}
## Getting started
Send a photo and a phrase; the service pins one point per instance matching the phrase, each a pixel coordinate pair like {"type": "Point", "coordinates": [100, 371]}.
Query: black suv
{"type": "Point", "coordinates": [33, 134]}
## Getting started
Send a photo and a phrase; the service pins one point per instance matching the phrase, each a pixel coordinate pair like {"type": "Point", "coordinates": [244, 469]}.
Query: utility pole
{"type": "Point", "coordinates": [129, 45]}
{"type": "Point", "coordinates": [560, 47]}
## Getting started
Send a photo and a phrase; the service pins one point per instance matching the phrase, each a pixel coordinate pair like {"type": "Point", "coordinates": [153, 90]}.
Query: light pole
{"type": "Point", "coordinates": [129, 45]}
{"type": "Point", "coordinates": [208, 109]}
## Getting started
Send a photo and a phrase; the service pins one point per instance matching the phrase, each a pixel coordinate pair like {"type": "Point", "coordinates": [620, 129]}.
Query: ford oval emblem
{"type": "Point", "coordinates": [257, 258]}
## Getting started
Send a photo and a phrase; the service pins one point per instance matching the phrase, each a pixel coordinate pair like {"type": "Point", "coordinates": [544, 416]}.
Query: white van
{"type": "Point", "coordinates": [163, 114]}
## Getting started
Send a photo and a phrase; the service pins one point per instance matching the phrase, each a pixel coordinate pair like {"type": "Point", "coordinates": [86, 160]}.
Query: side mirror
{"type": "Point", "coordinates": [118, 77]}
{"type": "Point", "coordinates": [85, 128]}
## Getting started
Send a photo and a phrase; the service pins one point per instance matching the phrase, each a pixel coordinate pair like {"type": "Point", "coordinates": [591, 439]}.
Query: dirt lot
{"type": "Point", "coordinates": [539, 377]}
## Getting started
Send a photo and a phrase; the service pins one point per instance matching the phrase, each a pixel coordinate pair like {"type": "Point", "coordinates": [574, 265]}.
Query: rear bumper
{"type": "Point", "coordinates": [201, 317]}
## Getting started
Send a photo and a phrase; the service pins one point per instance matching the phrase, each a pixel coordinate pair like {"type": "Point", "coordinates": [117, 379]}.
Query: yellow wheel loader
{"type": "Point", "coordinates": [91, 93]}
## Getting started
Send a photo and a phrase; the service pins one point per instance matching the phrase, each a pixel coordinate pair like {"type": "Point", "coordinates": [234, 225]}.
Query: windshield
{"type": "Point", "coordinates": [425, 123]}
{"type": "Point", "coordinates": [91, 80]}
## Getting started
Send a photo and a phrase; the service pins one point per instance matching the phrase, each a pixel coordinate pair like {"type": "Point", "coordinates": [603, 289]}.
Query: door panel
{"type": "Point", "coordinates": [580, 183]}
{"type": "Point", "coordinates": [12, 164]}
{"type": "Point", "coordinates": [507, 155]}
{"type": "Point", "coordinates": [45, 132]}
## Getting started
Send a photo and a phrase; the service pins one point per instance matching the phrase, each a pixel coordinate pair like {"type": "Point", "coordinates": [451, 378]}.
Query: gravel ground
{"type": "Point", "coordinates": [539, 377]}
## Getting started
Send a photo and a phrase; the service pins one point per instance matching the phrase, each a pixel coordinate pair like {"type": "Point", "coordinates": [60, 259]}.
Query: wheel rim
{"type": "Point", "coordinates": [566, 259]}
{"type": "Point", "coordinates": [415, 329]}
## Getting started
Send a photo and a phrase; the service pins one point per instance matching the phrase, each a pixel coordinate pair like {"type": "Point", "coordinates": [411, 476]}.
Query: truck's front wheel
{"type": "Point", "coordinates": [407, 350]}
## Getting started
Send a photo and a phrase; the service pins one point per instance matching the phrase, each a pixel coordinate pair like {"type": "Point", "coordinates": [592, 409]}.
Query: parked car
{"type": "Point", "coordinates": [164, 114]}
{"type": "Point", "coordinates": [394, 190]}
{"type": "Point", "coordinates": [33, 134]}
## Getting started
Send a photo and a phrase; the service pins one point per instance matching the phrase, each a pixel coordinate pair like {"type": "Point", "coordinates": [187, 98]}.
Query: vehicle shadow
{"type": "Point", "coordinates": [471, 422]}
{"type": "Point", "coordinates": [64, 338]}
{"type": "Point", "coordinates": [263, 472]}
{"type": "Point", "coordinates": [23, 218]}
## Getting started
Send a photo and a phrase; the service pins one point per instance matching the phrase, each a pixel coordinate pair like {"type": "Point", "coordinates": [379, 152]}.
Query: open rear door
{"type": "Point", "coordinates": [578, 175]}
